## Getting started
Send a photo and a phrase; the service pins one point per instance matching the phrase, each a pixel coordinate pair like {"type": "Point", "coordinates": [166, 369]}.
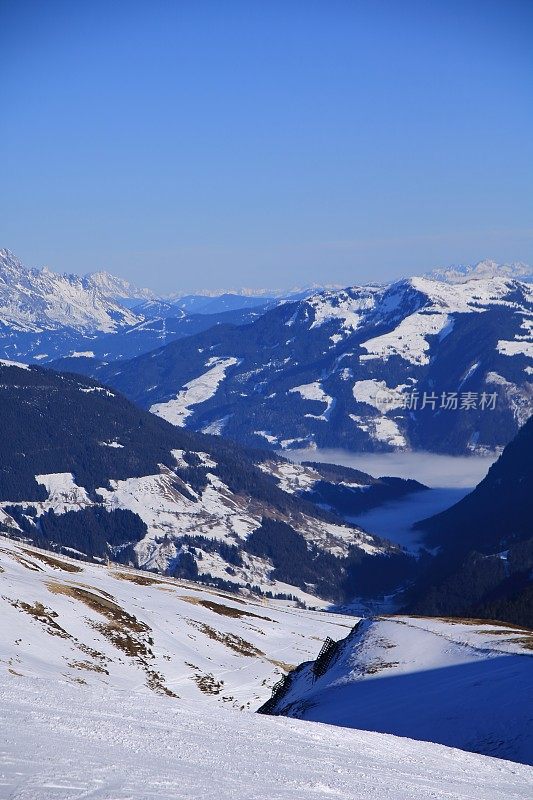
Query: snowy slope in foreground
{"type": "Point", "coordinates": [463, 684]}
{"type": "Point", "coordinates": [117, 685]}
{"type": "Point", "coordinates": [63, 742]}
{"type": "Point", "coordinates": [85, 624]}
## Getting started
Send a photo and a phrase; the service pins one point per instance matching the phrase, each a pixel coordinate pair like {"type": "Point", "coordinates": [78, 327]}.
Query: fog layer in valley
{"type": "Point", "coordinates": [449, 477]}
{"type": "Point", "coordinates": [433, 470]}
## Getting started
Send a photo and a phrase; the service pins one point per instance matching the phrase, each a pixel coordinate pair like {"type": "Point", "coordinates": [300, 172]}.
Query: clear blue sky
{"type": "Point", "coordinates": [193, 144]}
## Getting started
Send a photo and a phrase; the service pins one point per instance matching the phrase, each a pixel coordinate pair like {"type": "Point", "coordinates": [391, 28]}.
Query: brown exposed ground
{"type": "Point", "coordinates": [223, 610]}
{"type": "Point", "coordinates": [231, 640]}
{"type": "Point", "coordinates": [122, 630]}
{"type": "Point", "coordinates": [44, 615]}
{"type": "Point", "coordinates": [55, 563]}
{"type": "Point", "coordinates": [207, 683]}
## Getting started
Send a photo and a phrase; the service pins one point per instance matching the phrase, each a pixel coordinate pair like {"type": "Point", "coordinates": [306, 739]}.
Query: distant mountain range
{"type": "Point", "coordinates": [442, 365]}
{"type": "Point", "coordinates": [419, 364]}
{"type": "Point", "coordinates": [483, 269]}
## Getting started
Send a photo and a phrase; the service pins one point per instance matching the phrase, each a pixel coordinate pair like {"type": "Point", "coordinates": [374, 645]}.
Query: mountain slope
{"type": "Point", "coordinates": [485, 562]}
{"type": "Point", "coordinates": [149, 334]}
{"type": "Point", "coordinates": [90, 712]}
{"type": "Point", "coordinates": [170, 637]}
{"type": "Point", "coordinates": [449, 682]}
{"type": "Point", "coordinates": [83, 470]}
{"type": "Point", "coordinates": [119, 746]}
{"type": "Point", "coordinates": [338, 369]}
{"type": "Point", "coordinates": [500, 508]}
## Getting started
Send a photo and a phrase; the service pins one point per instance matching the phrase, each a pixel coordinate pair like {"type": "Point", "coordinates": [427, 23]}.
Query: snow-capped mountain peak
{"type": "Point", "coordinates": [483, 269]}
{"type": "Point", "coordinates": [36, 300]}
{"type": "Point", "coordinates": [115, 288]}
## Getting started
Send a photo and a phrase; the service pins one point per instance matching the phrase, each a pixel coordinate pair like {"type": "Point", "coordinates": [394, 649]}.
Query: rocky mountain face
{"type": "Point", "coordinates": [119, 289]}
{"type": "Point", "coordinates": [39, 300]}
{"type": "Point", "coordinates": [85, 472]}
{"type": "Point", "coordinates": [419, 364]}
{"type": "Point", "coordinates": [44, 314]}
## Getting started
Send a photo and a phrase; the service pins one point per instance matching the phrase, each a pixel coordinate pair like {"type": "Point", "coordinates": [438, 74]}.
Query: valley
{"type": "Point", "coordinates": [191, 532]}
{"type": "Point", "coordinates": [449, 478]}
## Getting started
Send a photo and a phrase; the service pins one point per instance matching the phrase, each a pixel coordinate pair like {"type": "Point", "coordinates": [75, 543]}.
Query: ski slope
{"type": "Point", "coordinates": [66, 742]}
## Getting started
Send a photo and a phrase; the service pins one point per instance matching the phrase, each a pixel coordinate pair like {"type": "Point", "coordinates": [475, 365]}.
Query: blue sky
{"type": "Point", "coordinates": [198, 144]}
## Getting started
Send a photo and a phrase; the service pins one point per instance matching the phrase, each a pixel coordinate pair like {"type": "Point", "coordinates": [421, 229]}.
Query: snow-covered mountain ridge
{"type": "Point", "coordinates": [448, 681]}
